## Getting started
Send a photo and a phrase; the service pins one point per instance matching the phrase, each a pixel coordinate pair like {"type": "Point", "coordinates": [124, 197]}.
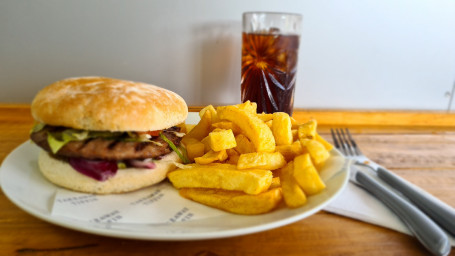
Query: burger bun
{"type": "Point", "coordinates": [108, 104]}
{"type": "Point", "coordinates": [62, 174]}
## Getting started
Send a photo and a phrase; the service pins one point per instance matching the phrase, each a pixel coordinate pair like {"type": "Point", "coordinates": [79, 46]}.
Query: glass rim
{"type": "Point", "coordinates": [273, 13]}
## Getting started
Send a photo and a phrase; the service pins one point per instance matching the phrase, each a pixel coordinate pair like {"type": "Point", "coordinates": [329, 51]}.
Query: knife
{"type": "Point", "coordinates": [423, 228]}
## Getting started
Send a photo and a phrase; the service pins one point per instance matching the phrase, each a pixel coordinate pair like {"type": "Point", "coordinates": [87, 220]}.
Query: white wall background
{"type": "Point", "coordinates": [355, 54]}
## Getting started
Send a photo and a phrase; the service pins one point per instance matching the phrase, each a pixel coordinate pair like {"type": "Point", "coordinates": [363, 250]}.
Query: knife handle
{"type": "Point", "coordinates": [443, 214]}
{"type": "Point", "coordinates": [423, 228]}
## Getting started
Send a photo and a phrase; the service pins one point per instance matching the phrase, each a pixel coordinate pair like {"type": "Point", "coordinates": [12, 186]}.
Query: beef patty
{"type": "Point", "coordinates": [110, 149]}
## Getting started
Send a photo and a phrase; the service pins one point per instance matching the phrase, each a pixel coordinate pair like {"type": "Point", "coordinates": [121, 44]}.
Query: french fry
{"type": "Point", "coordinates": [252, 181]}
{"type": "Point", "coordinates": [308, 130]}
{"type": "Point", "coordinates": [295, 124]}
{"type": "Point", "coordinates": [307, 176]}
{"type": "Point", "coordinates": [211, 156]}
{"type": "Point", "coordinates": [292, 193]}
{"type": "Point", "coordinates": [208, 166]}
{"type": "Point", "coordinates": [290, 151]}
{"type": "Point", "coordinates": [226, 126]}
{"type": "Point", "coordinates": [202, 129]}
{"type": "Point", "coordinates": [265, 117]}
{"type": "Point", "coordinates": [189, 127]}
{"type": "Point", "coordinates": [281, 128]}
{"type": "Point", "coordinates": [261, 160]}
{"type": "Point", "coordinates": [256, 130]}
{"type": "Point", "coordinates": [318, 152]}
{"type": "Point", "coordinates": [233, 156]}
{"type": "Point", "coordinates": [234, 201]}
{"type": "Point", "coordinates": [248, 106]}
{"type": "Point", "coordinates": [295, 134]}
{"type": "Point", "coordinates": [195, 149]}
{"type": "Point", "coordinates": [276, 183]}
{"type": "Point", "coordinates": [188, 140]}
{"type": "Point", "coordinates": [326, 144]}
{"type": "Point", "coordinates": [212, 111]}
{"type": "Point", "coordinates": [206, 142]}
{"type": "Point", "coordinates": [244, 145]}
{"type": "Point", "coordinates": [220, 139]}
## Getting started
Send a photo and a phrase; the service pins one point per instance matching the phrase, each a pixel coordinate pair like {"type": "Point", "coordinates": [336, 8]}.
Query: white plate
{"type": "Point", "coordinates": [23, 184]}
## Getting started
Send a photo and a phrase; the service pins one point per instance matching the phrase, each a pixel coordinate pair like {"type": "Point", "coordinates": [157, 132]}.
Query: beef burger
{"type": "Point", "coordinates": [102, 135]}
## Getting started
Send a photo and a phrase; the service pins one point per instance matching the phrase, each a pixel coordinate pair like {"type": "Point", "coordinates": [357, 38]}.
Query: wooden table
{"type": "Point", "coordinates": [418, 146]}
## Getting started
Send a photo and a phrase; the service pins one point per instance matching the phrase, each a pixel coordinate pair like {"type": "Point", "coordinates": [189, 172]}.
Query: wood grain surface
{"type": "Point", "coordinates": [417, 146]}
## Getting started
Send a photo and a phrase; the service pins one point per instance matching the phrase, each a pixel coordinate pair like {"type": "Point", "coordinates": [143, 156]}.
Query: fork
{"type": "Point", "coordinates": [438, 211]}
{"type": "Point", "coordinates": [423, 228]}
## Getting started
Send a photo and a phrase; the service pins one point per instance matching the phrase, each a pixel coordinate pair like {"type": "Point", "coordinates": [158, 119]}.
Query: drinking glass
{"type": "Point", "coordinates": [270, 44]}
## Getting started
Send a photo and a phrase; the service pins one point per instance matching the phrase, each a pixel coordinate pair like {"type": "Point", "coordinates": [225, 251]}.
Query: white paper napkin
{"type": "Point", "coordinates": [356, 203]}
{"type": "Point", "coordinates": [150, 205]}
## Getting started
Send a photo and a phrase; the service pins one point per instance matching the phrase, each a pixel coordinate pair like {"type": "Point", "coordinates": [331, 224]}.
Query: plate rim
{"type": "Point", "coordinates": [106, 230]}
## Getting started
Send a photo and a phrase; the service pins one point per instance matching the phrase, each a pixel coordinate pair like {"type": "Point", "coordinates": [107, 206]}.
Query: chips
{"type": "Point", "coordinates": [253, 127]}
{"type": "Point", "coordinates": [253, 181]}
{"type": "Point", "coordinates": [220, 139]}
{"type": "Point", "coordinates": [281, 128]}
{"type": "Point", "coordinates": [292, 192]}
{"type": "Point", "coordinates": [233, 201]}
{"type": "Point", "coordinates": [261, 160]}
{"type": "Point", "coordinates": [247, 163]}
{"type": "Point", "coordinates": [306, 175]}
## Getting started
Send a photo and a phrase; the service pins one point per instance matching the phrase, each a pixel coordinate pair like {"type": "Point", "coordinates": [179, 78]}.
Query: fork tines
{"type": "Point", "coordinates": [344, 142]}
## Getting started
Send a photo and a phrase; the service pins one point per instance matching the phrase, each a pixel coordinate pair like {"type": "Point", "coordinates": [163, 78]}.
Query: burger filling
{"type": "Point", "coordinates": [99, 154]}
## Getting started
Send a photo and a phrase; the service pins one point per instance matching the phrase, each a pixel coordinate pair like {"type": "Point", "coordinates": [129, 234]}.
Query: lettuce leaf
{"type": "Point", "coordinates": [57, 140]}
{"type": "Point", "coordinates": [54, 143]}
{"type": "Point", "coordinates": [173, 147]}
{"type": "Point", "coordinates": [37, 127]}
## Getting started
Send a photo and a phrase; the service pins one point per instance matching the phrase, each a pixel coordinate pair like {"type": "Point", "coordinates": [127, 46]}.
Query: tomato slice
{"type": "Point", "coordinates": [154, 133]}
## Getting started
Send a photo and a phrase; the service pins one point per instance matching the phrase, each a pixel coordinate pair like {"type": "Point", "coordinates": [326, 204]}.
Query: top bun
{"type": "Point", "coordinates": [106, 104]}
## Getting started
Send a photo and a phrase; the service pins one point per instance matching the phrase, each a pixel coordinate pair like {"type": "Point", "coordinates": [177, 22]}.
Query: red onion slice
{"type": "Point", "coordinates": [100, 170]}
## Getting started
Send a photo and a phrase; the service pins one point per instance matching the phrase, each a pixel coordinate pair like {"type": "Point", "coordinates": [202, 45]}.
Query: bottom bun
{"type": "Point", "coordinates": [61, 173]}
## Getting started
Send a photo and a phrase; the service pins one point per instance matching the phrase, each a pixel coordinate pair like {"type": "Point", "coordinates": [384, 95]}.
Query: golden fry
{"type": "Point", "coordinates": [276, 183]}
{"type": "Point", "coordinates": [221, 139]}
{"type": "Point", "coordinates": [261, 160]}
{"type": "Point", "coordinates": [295, 124]}
{"type": "Point", "coordinates": [226, 126]}
{"type": "Point", "coordinates": [292, 193]}
{"type": "Point", "coordinates": [265, 117]}
{"type": "Point", "coordinates": [206, 142]}
{"type": "Point", "coordinates": [308, 130]}
{"type": "Point", "coordinates": [212, 156]}
{"type": "Point", "coordinates": [252, 181]}
{"type": "Point", "coordinates": [202, 129]}
{"type": "Point", "coordinates": [233, 156]}
{"type": "Point", "coordinates": [234, 201]}
{"type": "Point", "coordinates": [290, 151]}
{"type": "Point", "coordinates": [256, 130]}
{"type": "Point", "coordinates": [195, 149]}
{"type": "Point", "coordinates": [189, 127]}
{"type": "Point", "coordinates": [212, 111]}
{"type": "Point", "coordinates": [317, 150]}
{"type": "Point", "coordinates": [248, 106]}
{"type": "Point", "coordinates": [307, 176]}
{"type": "Point", "coordinates": [188, 140]}
{"type": "Point", "coordinates": [326, 144]}
{"type": "Point", "coordinates": [244, 145]}
{"type": "Point", "coordinates": [281, 128]}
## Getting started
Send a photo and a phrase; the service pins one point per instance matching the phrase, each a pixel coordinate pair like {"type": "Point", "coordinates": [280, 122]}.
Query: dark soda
{"type": "Point", "coordinates": [269, 67]}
